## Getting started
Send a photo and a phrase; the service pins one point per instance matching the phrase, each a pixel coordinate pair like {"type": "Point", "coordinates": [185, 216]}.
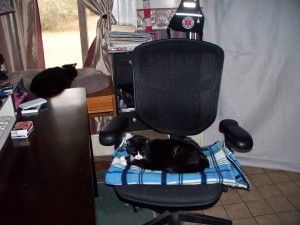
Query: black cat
{"type": "Point", "coordinates": [169, 155]}
{"type": "Point", "coordinates": [128, 95]}
{"type": "Point", "coordinates": [53, 81]}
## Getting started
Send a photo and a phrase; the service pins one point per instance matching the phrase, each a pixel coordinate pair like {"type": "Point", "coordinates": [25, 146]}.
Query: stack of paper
{"type": "Point", "coordinates": [34, 109]}
{"type": "Point", "coordinates": [32, 106]}
{"type": "Point", "coordinates": [125, 41]}
{"type": "Point", "coordinates": [122, 28]}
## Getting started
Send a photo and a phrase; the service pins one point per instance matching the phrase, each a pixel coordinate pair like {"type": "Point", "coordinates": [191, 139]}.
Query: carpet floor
{"type": "Point", "coordinates": [111, 211]}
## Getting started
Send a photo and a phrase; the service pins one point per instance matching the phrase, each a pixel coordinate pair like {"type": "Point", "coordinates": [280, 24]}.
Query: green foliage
{"type": "Point", "coordinates": [56, 15]}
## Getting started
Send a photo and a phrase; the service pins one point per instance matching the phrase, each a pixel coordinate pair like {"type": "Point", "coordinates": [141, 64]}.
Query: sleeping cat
{"type": "Point", "coordinates": [169, 155]}
{"type": "Point", "coordinates": [53, 81]}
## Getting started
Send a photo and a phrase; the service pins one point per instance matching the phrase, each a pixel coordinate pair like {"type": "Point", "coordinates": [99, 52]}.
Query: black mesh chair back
{"type": "Point", "coordinates": [176, 84]}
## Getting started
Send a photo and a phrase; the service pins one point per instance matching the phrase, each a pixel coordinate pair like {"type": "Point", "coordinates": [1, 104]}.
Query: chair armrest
{"type": "Point", "coordinates": [111, 133]}
{"type": "Point", "coordinates": [235, 136]}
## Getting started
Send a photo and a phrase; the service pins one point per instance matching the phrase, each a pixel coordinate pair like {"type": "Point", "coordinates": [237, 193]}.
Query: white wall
{"type": "Point", "coordinates": [261, 82]}
{"type": "Point", "coordinates": [160, 3]}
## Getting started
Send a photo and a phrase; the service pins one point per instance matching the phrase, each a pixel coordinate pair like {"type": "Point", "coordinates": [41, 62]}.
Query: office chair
{"type": "Point", "coordinates": [176, 88]}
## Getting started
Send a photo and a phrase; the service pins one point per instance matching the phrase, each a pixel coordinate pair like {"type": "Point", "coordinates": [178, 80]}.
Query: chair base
{"type": "Point", "coordinates": [174, 218]}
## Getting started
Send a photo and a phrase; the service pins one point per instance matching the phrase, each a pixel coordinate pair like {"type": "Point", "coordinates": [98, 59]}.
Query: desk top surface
{"type": "Point", "coordinates": [47, 178]}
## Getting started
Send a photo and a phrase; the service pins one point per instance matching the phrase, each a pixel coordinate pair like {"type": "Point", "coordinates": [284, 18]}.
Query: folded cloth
{"type": "Point", "coordinates": [224, 168]}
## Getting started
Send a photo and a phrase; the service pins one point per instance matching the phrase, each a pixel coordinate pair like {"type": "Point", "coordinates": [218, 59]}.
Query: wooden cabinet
{"type": "Point", "coordinates": [102, 101]}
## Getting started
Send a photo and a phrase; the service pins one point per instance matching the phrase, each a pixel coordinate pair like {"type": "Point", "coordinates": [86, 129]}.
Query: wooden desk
{"type": "Point", "coordinates": [48, 179]}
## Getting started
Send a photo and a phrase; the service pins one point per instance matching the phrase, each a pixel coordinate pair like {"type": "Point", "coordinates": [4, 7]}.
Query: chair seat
{"type": "Point", "coordinates": [224, 169]}
{"type": "Point", "coordinates": [174, 196]}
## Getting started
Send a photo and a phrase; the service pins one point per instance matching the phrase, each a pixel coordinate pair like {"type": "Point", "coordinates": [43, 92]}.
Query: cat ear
{"type": "Point", "coordinates": [129, 142]}
{"type": "Point", "coordinates": [147, 140]}
{"type": "Point", "coordinates": [69, 65]}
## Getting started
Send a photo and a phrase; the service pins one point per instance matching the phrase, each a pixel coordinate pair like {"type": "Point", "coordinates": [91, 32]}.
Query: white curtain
{"type": "Point", "coordinates": [261, 76]}
{"type": "Point", "coordinates": [21, 37]}
{"type": "Point", "coordinates": [125, 12]}
{"type": "Point", "coordinates": [101, 58]}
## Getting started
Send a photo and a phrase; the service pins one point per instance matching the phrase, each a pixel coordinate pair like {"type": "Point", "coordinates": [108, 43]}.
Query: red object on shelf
{"type": "Point", "coordinates": [147, 15]}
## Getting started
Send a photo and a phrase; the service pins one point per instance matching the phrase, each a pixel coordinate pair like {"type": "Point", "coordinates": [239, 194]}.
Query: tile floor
{"type": "Point", "coordinates": [274, 199]}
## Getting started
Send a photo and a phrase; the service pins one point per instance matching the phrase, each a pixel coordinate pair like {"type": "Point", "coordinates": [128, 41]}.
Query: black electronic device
{"type": "Point", "coordinates": [3, 76]}
{"type": "Point", "coordinates": [123, 78]}
{"type": "Point", "coordinates": [6, 87]}
{"type": "Point", "coordinates": [188, 18]}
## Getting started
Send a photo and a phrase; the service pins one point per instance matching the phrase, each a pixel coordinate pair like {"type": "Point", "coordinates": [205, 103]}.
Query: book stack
{"type": "Point", "coordinates": [122, 41]}
{"type": "Point", "coordinates": [22, 130]}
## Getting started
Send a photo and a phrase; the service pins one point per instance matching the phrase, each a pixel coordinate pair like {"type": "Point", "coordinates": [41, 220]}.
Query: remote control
{"type": "Point", "coordinates": [33, 103]}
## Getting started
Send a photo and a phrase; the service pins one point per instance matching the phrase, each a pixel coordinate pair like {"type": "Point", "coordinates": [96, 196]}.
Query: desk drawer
{"type": "Point", "coordinates": [101, 104]}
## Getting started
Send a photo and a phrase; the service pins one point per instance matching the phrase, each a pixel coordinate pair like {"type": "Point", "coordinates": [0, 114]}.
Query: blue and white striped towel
{"type": "Point", "coordinates": [224, 168]}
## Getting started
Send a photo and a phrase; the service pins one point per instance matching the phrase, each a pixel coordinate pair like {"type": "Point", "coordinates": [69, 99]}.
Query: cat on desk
{"type": "Point", "coordinates": [53, 81]}
{"type": "Point", "coordinates": [169, 155]}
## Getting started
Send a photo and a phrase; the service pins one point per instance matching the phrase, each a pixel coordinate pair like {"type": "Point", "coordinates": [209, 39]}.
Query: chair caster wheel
{"type": "Point", "coordinates": [224, 188]}
{"type": "Point", "coordinates": [137, 209]}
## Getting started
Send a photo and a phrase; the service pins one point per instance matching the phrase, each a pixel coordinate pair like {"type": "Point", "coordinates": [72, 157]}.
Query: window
{"type": "Point", "coordinates": [61, 31]}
